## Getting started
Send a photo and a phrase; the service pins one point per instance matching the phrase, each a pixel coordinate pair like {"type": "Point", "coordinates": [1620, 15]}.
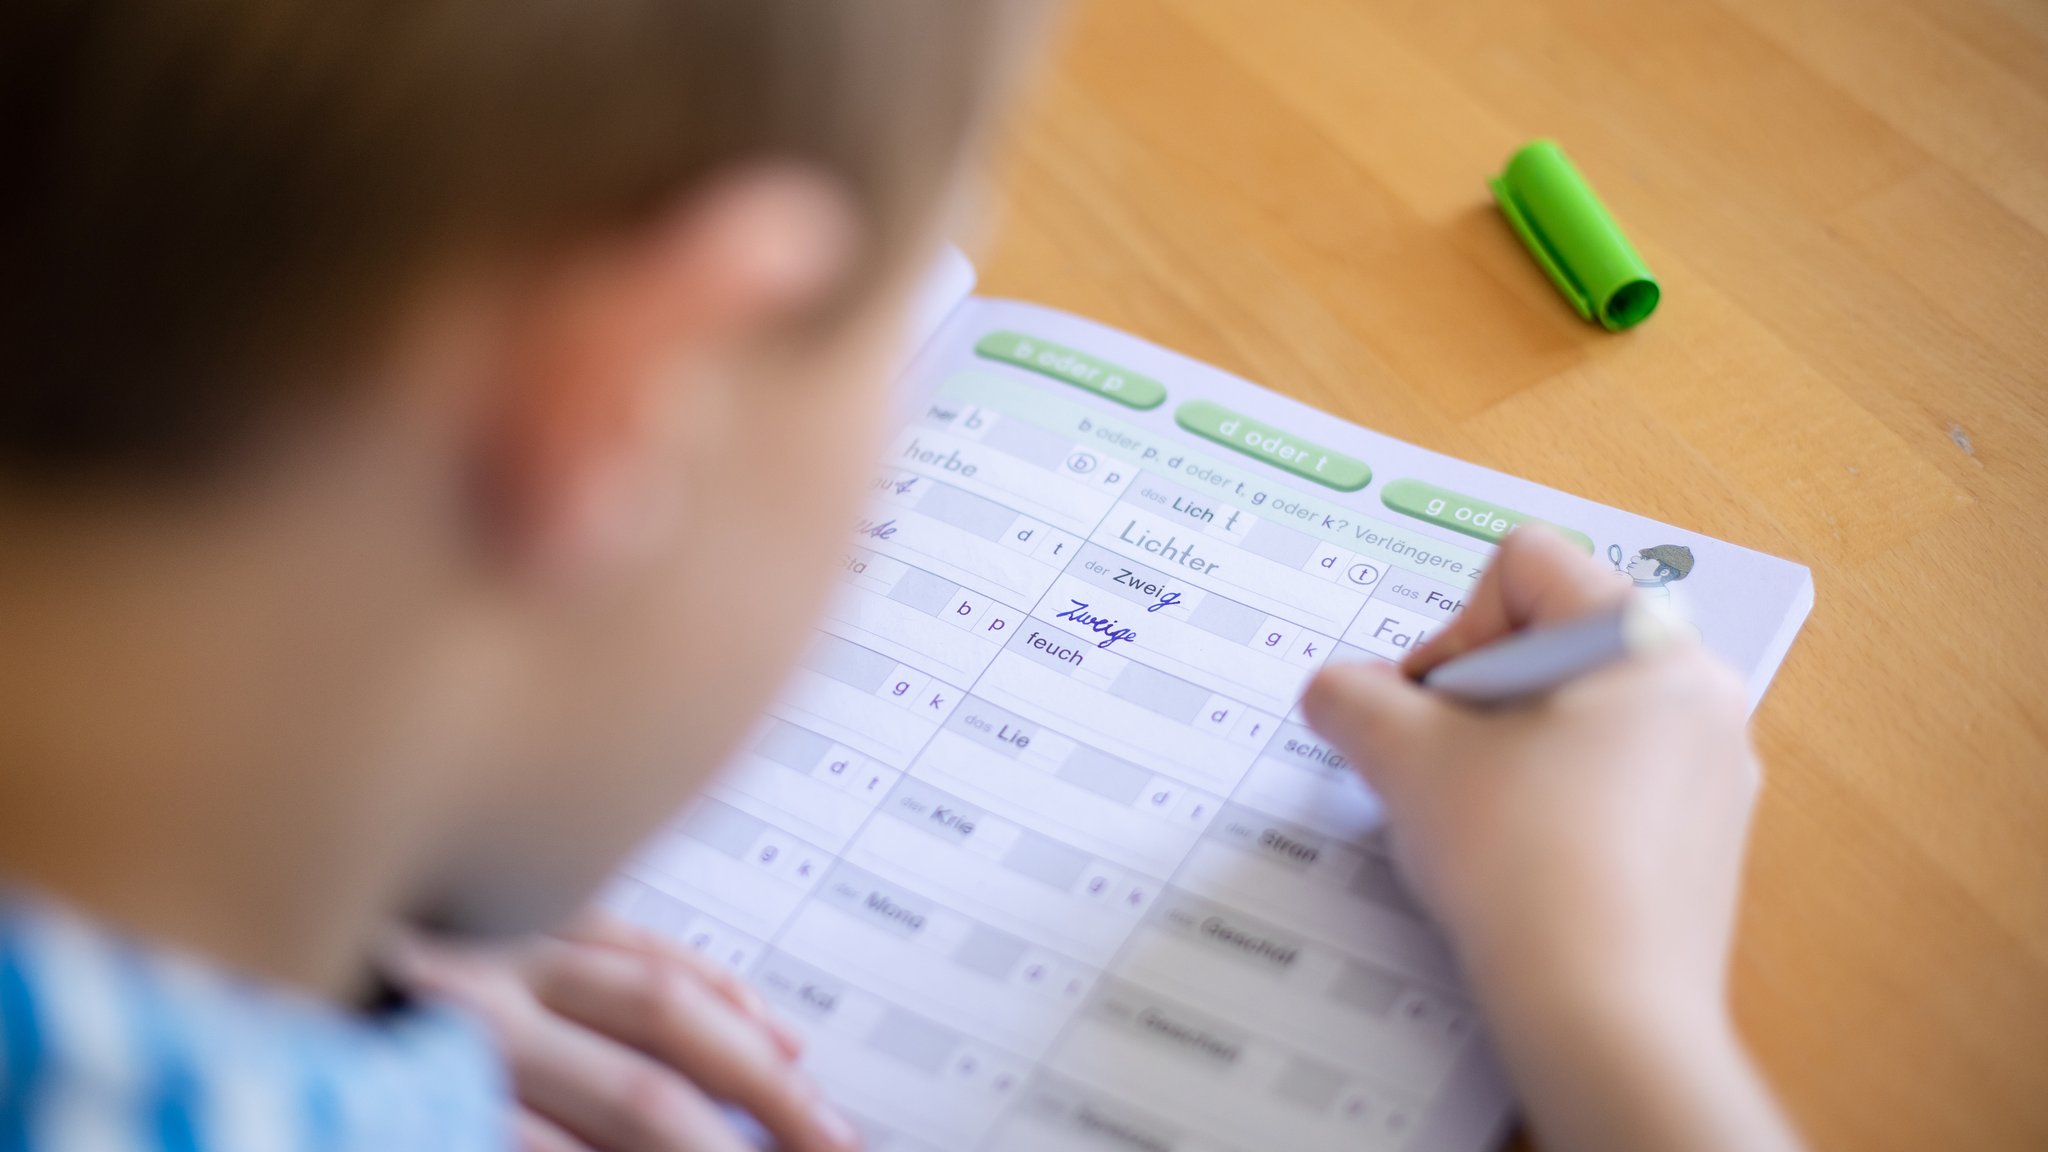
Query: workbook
{"type": "Point", "coordinates": [1035, 847]}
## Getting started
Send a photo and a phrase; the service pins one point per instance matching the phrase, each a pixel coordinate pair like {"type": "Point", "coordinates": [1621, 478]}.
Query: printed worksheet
{"type": "Point", "coordinates": [1036, 848]}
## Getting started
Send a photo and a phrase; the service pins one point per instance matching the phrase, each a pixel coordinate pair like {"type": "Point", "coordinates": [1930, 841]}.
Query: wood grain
{"type": "Point", "coordinates": [1847, 202]}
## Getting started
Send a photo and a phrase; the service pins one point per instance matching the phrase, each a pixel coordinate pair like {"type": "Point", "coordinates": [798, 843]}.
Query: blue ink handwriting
{"type": "Point", "coordinates": [1102, 625]}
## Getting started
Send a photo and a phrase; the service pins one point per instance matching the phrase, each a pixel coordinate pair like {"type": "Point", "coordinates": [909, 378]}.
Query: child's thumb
{"type": "Point", "coordinates": [1377, 717]}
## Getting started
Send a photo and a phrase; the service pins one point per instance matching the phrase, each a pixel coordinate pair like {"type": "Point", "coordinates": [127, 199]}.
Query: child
{"type": "Point", "coordinates": [374, 382]}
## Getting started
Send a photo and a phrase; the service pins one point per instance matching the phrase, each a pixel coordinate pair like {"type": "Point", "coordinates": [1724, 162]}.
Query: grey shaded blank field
{"type": "Point", "coordinates": [723, 827]}
{"type": "Point", "coordinates": [966, 511]}
{"type": "Point", "coordinates": [993, 954]}
{"type": "Point", "coordinates": [1235, 622]}
{"type": "Point", "coordinates": [849, 663]}
{"type": "Point", "coordinates": [913, 1040]}
{"type": "Point", "coordinates": [1048, 1102]}
{"type": "Point", "coordinates": [1313, 1086]}
{"type": "Point", "coordinates": [1369, 987]}
{"type": "Point", "coordinates": [659, 912]}
{"type": "Point", "coordinates": [1155, 691]}
{"type": "Point", "coordinates": [1105, 775]}
{"type": "Point", "coordinates": [923, 591]}
{"type": "Point", "coordinates": [792, 746]}
{"type": "Point", "coordinates": [1046, 860]}
{"type": "Point", "coordinates": [1346, 653]}
{"type": "Point", "coordinates": [1029, 442]}
{"type": "Point", "coordinates": [1280, 544]}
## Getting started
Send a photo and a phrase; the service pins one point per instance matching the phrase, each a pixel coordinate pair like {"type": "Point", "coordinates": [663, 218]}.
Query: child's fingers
{"type": "Point", "coordinates": [577, 1089]}
{"type": "Point", "coordinates": [662, 1009]}
{"type": "Point", "coordinates": [606, 930]}
{"type": "Point", "coordinates": [605, 1095]}
{"type": "Point", "coordinates": [537, 1133]}
{"type": "Point", "coordinates": [1535, 577]}
{"type": "Point", "coordinates": [483, 982]}
{"type": "Point", "coordinates": [1377, 717]}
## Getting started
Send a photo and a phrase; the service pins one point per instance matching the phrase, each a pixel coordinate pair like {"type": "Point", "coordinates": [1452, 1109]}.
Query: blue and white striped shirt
{"type": "Point", "coordinates": [109, 1046]}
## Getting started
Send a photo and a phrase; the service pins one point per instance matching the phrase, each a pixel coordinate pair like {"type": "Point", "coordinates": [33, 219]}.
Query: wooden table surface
{"type": "Point", "coordinates": [1847, 204]}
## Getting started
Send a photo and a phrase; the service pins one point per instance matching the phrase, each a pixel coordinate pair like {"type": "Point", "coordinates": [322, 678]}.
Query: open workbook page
{"type": "Point", "coordinates": [1035, 847]}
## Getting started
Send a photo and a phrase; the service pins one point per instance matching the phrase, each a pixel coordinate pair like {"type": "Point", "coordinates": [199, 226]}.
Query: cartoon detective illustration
{"type": "Point", "coordinates": [1653, 569]}
{"type": "Point", "coordinates": [1658, 566]}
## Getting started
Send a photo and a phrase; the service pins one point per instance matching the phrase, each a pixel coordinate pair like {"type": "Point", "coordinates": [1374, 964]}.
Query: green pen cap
{"type": "Point", "coordinates": [1569, 231]}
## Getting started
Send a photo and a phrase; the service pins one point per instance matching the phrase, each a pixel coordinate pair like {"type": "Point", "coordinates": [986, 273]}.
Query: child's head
{"type": "Point", "coordinates": [435, 419]}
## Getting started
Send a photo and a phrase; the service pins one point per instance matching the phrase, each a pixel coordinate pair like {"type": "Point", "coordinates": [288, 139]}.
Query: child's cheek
{"type": "Point", "coordinates": [776, 520]}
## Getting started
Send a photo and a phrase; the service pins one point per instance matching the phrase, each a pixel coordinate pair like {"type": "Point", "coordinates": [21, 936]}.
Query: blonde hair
{"type": "Point", "coordinates": [209, 200]}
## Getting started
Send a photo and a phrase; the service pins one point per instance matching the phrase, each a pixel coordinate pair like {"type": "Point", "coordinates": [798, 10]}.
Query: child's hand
{"type": "Point", "coordinates": [1597, 834]}
{"type": "Point", "coordinates": [1583, 852]}
{"type": "Point", "coordinates": [619, 1041]}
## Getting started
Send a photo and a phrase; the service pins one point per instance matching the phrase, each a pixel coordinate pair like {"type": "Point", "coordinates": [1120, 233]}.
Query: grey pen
{"type": "Point", "coordinates": [1538, 660]}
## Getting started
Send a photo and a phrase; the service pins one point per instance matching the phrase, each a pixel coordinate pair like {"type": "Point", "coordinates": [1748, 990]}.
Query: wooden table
{"type": "Point", "coordinates": [1847, 203]}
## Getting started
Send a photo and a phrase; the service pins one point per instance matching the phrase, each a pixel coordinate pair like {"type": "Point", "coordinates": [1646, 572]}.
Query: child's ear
{"type": "Point", "coordinates": [599, 333]}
